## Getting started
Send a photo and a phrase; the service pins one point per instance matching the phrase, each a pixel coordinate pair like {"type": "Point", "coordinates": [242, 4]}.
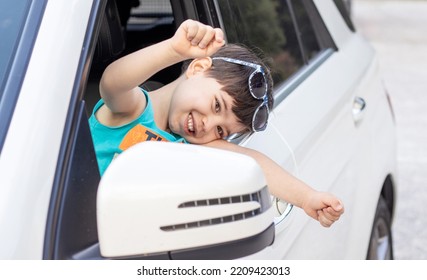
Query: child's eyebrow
{"type": "Point", "coordinates": [223, 102]}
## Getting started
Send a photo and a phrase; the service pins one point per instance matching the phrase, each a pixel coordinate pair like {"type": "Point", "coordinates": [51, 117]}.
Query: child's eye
{"type": "Point", "coordinates": [217, 106]}
{"type": "Point", "coordinates": [220, 131]}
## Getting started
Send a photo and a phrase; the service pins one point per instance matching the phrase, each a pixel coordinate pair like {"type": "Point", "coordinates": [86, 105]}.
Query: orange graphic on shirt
{"type": "Point", "coordinates": [137, 134]}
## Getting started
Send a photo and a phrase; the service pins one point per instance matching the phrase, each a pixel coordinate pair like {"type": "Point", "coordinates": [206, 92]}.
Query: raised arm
{"type": "Point", "coordinates": [321, 206]}
{"type": "Point", "coordinates": [120, 80]}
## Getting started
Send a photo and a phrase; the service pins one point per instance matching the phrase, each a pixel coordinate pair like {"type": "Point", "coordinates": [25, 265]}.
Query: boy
{"type": "Point", "coordinates": [223, 90]}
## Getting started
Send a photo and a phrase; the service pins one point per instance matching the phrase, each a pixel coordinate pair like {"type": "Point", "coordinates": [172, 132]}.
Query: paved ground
{"type": "Point", "coordinates": [398, 31]}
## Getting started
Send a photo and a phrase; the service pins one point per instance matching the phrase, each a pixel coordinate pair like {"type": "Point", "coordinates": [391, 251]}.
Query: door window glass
{"type": "Point", "coordinates": [13, 15]}
{"type": "Point", "coordinates": [281, 29]}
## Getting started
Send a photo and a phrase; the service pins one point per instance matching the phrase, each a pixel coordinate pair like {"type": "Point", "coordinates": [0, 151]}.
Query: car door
{"type": "Point", "coordinates": [312, 113]}
{"type": "Point", "coordinates": [72, 226]}
{"type": "Point", "coordinates": [43, 79]}
{"type": "Point", "coordinates": [315, 129]}
{"type": "Point", "coordinates": [335, 108]}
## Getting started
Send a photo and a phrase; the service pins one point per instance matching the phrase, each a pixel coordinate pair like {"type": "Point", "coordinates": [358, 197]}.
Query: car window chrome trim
{"type": "Point", "coordinates": [284, 89]}
{"type": "Point", "coordinates": [21, 59]}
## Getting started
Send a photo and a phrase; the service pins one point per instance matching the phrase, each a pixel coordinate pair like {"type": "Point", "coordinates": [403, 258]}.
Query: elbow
{"type": "Point", "coordinates": [107, 84]}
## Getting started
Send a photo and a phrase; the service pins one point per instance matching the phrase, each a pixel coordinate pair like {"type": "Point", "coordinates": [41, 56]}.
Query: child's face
{"type": "Point", "coordinates": [201, 112]}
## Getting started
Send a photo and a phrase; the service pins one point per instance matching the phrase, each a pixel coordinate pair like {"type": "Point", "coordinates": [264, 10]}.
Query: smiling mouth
{"type": "Point", "coordinates": [190, 123]}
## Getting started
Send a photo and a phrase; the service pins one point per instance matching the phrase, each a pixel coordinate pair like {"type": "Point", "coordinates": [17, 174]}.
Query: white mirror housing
{"type": "Point", "coordinates": [185, 201]}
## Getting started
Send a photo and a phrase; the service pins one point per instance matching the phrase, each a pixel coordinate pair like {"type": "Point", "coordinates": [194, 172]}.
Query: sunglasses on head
{"type": "Point", "coordinates": [258, 88]}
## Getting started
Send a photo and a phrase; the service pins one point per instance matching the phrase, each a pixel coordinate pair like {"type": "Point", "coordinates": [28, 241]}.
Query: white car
{"type": "Point", "coordinates": [332, 126]}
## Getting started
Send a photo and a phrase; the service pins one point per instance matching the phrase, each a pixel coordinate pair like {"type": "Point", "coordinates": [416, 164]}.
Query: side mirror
{"type": "Point", "coordinates": [178, 201]}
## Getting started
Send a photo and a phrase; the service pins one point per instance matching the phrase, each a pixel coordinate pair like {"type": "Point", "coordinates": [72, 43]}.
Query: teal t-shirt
{"type": "Point", "coordinates": [111, 141]}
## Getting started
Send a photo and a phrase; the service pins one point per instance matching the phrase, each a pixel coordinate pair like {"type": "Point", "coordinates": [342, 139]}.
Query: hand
{"type": "Point", "coordinates": [324, 207]}
{"type": "Point", "coordinates": [195, 40]}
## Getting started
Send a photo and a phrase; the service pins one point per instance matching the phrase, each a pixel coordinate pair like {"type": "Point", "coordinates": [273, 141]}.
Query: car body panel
{"type": "Point", "coordinates": [332, 150]}
{"type": "Point", "coordinates": [30, 153]}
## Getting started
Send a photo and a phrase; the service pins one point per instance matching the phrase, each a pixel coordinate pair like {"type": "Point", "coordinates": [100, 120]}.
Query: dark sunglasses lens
{"type": "Point", "coordinates": [260, 118]}
{"type": "Point", "coordinates": [257, 84]}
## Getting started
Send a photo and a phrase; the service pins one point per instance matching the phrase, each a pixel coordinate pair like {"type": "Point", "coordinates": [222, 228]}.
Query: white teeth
{"type": "Point", "coordinates": [190, 123]}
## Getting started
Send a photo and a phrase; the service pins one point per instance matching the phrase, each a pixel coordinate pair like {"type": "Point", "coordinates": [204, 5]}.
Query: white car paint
{"type": "Point", "coordinates": [333, 151]}
{"type": "Point", "coordinates": [30, 152]}
{"type": "Point", "coordinates": [321, 142]}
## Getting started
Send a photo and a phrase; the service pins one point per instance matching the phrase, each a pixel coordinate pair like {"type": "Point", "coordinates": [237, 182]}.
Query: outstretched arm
{"type": "Point", "coordinates": [321, 206]}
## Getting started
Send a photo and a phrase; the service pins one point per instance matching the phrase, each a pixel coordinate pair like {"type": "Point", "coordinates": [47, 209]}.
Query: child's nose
{"type": "Point", "coordinates": [210, 123]}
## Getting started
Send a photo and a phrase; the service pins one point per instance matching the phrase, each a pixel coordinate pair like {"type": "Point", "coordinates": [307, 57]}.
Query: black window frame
{"type": "Point", "coordinates": [345, 12]}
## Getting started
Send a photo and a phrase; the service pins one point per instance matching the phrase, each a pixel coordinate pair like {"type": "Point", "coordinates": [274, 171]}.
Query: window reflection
{"type": "Point", "coordinates": [272, 26]}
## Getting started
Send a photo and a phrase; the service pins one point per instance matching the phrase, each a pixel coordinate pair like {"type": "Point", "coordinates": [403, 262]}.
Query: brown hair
{"type": "Point", "coordinates": [234, 79]}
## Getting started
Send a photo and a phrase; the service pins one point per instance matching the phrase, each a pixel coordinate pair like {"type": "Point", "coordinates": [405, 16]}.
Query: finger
{"type": "Point", "coordinates": [201, 31]}
{"type": "Point", "coordinates": [190, 27]}
{"type": "Point", "coordinates": [338, 206]}
{"type": "Point", "coordinates": [330, 214]}
{"type": "Point", "coordinates": [208, 37]}
{"type": "Point", "coordinates": [332, 201]}
{"type": "Point", "coordinates": [333, 212]}
{"type": "Point", "coordinates": [219, 35]}
{"type": "Point", "coordinates": [323, 220]}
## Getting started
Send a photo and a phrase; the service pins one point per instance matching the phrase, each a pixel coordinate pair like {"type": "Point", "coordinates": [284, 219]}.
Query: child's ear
{"type": "Point", "coordinates": [198, 65]}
